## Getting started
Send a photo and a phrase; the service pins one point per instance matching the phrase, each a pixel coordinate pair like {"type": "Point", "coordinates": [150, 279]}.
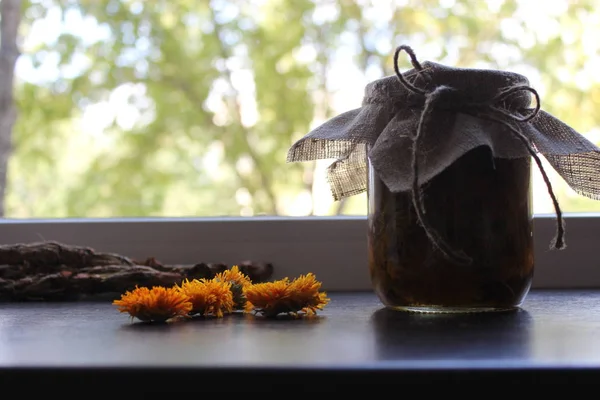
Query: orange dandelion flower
{"type": "Point", "coordinates": [208, 296]}
{"type": "Point", "coordinates": [305, 291]}
{"type": "Point", "coordinates": [238, 282]}
{"type": "Point", "coordinates": [234, 275]}
{"type": "Point", "coordinates": [282, 296]}
{"type": "Point", "coordinates": [157, 304]}
{"type": "Point", "coordinates": [268, 298]}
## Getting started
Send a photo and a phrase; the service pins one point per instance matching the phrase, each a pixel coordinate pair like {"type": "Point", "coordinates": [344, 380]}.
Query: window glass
{"type": "Point", "coordinates": [187, 108]}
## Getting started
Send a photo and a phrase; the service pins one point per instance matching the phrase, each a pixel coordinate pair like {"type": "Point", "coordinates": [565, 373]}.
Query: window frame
{"type": "Point", "coordinates": [334, 248]}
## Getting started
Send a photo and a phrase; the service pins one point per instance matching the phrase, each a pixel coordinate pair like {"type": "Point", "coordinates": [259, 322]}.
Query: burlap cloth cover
{"type": "Point", "coordinates": [413, 125]}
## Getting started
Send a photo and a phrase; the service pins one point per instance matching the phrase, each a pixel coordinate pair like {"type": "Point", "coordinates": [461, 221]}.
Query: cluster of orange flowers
{"type": "Point", "coordinates": [227, 292]}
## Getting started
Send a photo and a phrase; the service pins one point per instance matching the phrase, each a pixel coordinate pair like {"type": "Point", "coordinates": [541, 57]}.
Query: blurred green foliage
{"type": "Point", "coordinates": [187, 107]}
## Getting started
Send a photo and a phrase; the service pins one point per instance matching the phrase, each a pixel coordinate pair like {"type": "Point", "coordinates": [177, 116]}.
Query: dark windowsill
{"type": "Point", "coordinates": [555, 337]}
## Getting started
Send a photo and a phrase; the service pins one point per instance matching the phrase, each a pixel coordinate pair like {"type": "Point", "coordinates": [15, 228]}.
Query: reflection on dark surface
{"type": "Point", "coordinates": [147, 326]}
{"type": "Point", "coordinates": [283, 322]}
{"type": "Point", "coordinates": [179, 323]}
{"type": "Point", "coordinates": [404, 335]}
{"type": "Point", "coordinates": [247, 321]}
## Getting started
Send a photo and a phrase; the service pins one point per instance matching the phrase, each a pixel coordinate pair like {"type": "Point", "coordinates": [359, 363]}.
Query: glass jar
{"type": "Point", "coordinates": [480, 205]}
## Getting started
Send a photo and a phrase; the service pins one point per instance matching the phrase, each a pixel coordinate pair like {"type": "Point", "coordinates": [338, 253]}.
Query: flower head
{"type": "Point", "coordinates": [238, 282]}
{"type": "Point", "coordinates": [157, 304]}
{"type": "Point", "coordinates": [208, 296]}
{"type": "Point", "coordinates": [234, 275]}
{"type": "Point", "coordinates": [282, 296]}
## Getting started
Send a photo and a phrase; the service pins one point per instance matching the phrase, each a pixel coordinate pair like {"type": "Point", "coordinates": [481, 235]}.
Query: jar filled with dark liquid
{"type": "Point", "coordinates": [480, 205]}
{"type": "Point", "coordinates": [445, 155]}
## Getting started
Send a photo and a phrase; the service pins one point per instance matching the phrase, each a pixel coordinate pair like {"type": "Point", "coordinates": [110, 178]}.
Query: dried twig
{"type": "Point", "coordinates": [59, 272]}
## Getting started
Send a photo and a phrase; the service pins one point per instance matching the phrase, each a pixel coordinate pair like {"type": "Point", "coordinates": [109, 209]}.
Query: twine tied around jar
{"type": "Point", "coordinates": [446, 97]}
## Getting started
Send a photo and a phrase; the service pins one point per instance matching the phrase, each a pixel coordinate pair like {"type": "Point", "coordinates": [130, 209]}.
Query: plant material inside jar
{"type": "Point", "coordinates": [481, 206]}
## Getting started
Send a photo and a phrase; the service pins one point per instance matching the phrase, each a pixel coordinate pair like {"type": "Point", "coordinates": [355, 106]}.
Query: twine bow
{"type": "Point", "coordinates": [493, 109]}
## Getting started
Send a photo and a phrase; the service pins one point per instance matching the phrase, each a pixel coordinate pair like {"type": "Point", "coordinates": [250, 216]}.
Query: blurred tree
{"type": "Point", "coordinates": [10, 17]}
{"type": "Point", "coordinates": [182, 107]}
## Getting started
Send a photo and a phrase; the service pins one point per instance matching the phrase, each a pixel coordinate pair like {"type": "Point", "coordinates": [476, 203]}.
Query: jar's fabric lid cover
{"type": "Point", "coordinates": [381, 132]}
